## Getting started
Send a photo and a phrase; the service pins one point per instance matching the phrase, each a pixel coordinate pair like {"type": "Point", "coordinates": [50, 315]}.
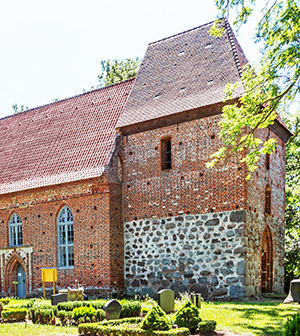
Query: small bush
{"type": "Point", "coordinates": [34, 311]}
{"type": "Point", "coordinates": [4, 301]}
{"type": "Point", "coordinates": [62, 315]}
{"type": "Point", "coordinates": [156, 319]}
{"type": "Point", "coordinates": [188, 316]}
{"type": "Point", "coordinates": [206, 326]}
{"type": "Point", "coordinates": [44, 316]}
{"type": "Point", "coordinates": [86, 312]}
{"type": "Point", "coordinates": [100, 315]}
{"type": "Point", "coordinates": [14, 314]}
{"type": "Point", "coordinates": [130, 308]}
{"type": "Point", "coordinates": [292, 326]}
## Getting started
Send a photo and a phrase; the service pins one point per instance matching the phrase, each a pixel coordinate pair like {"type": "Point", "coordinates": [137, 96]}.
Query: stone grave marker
{"type": "Point", "coordinates": [196, 299]}
{"type": "Point", "coordinates": [112, 309]}
{"type": "Point", "coordinates": [166, 300]}
{"type": "Point", "coordinates": [56, 298]}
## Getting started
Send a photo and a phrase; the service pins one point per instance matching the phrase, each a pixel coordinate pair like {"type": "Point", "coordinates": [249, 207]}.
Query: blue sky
{"type": "Point", "coordinates": [53, 49]}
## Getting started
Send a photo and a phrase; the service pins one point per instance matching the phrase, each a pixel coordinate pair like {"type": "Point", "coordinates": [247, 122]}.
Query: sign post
{"type": "Point", "coordinates": [49, 274]}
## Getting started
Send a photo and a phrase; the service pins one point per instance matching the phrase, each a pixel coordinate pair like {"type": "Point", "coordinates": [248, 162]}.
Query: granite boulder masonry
{"type": "Point", "coordinates": [201, 253]}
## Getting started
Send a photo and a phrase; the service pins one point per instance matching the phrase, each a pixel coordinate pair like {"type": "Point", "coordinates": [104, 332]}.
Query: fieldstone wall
{"type": "Point", "coordinates": [256, 224]}
{"type": "Point", "coordinates": [196, 253]}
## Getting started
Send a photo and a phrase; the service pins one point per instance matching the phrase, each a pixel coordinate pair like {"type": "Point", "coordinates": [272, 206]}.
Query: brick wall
{"type": "Point", "coordinates": [189, 187]}
{"type": "Point", "coordinates": [94, 225]}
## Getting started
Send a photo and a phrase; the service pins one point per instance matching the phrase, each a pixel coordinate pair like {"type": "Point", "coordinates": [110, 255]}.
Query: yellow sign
{"type": "Point", "coordinates": [49, 275]}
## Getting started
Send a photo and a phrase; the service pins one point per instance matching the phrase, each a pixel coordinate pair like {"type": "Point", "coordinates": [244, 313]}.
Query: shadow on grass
{"type": "Point", "coordinates": [268, 330]}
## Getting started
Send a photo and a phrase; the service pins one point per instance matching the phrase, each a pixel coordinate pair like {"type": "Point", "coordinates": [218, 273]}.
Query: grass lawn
{"type": "Point", "coordinates": [19, 329]}
{"type": "Point", "coordinates": [266, 318]}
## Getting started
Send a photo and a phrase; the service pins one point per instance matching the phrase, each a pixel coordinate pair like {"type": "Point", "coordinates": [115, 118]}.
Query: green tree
{"type": "Point", "coordinates": [114, 71]}
{"type": "Point", "coordinates": [269, 87]}
{"type": "Point", "coordinates": [292, 242]}
{"type": "Point", "coordinates": [19, 110]}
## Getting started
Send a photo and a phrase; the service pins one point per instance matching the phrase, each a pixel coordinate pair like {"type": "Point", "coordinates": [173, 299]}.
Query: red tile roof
{"type": "Point", "coordinates": [61, 142]}
{"type": "Point", "coordinates": [183, 72]}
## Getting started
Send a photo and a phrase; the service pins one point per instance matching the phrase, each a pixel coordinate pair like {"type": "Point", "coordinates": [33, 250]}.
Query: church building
{"type": "Point", "coordinates": [110, 187]}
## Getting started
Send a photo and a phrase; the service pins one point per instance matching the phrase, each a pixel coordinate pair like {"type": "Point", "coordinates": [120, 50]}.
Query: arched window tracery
{"type": "Point", "coordinates": [15, 230]}
{"type": "Point", "coordinates": [65, 238]}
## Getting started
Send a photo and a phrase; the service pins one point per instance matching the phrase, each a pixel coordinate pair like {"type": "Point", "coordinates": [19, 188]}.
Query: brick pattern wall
{"type": "Point", "coordinates": [90, 203]}
{"type": "Point", "coordinates": [189, 187]}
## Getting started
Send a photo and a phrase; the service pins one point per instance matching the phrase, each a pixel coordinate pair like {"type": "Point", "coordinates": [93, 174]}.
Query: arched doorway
{"type": "Point", "coordinates": [21, 278]}
{"type": "Point", "coordinates": [267, 261]}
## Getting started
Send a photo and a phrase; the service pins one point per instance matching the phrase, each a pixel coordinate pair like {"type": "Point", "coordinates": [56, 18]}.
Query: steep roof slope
{"type": "Point", "coordinates": [184, 72]}
{"type": "Point", "coordinates": [64, 141]}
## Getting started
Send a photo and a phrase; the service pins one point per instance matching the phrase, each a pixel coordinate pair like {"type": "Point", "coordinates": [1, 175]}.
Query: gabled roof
{"type": "Point", "coordinates": [65, 141]}
{"type": "Point", "coordinates": [183, 72]}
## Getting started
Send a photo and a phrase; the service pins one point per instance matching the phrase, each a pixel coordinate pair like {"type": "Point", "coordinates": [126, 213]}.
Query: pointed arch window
{"type": "Point", "coordinates": [65, 238]}
{"type": "Point", "coordinates": [15, 230]}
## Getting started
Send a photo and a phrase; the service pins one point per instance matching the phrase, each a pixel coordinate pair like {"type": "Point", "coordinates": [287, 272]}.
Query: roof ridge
{"type": "Point", "coordinates": [232, 40]}
{"type": "Point", "coordinates": [181, 33]}
{"type": "Point", "coordinates": [64, 99]}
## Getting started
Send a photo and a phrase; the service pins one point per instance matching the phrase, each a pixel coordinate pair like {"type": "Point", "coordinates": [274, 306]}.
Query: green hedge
{"type": "Point", "coordinates": [99, 329]}
{"type": "Point", "coordinates": [65, 317]}
{"type": "Point", "coordinates": [129, 308]}
{"type": "Point", "coordinates": [36, 312]}
{"type": "Point", "coordinates": [206, 326]}
{"type": "Point", "coordinates": [69, 306]}
{"type": "Point", "coordinates": [44, 316]}
{"type": "Point", "coordinates": [4, 301]}
{"type": "Point", "coordinates": [14, 314]}
{"type": "Point", "coordinates": [129, 320]}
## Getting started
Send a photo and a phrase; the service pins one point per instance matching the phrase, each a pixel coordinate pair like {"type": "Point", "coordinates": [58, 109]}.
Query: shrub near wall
{"type": "Point", "coordinates": [14, 314]}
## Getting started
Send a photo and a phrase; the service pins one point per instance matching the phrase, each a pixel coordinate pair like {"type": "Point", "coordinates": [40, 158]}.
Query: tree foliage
{"type": "Point", "coordinates": [292, 241]}
{"type": "Point", "coordinates": [269, 86]}
{"type": "Point", "coordinates": [114, 71]}
{"type": "Point", "coordinates": [19, 110]}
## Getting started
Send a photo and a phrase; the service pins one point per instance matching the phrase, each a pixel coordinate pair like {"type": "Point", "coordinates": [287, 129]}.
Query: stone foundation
{"type": "Point", "coordinates": [196, 253]}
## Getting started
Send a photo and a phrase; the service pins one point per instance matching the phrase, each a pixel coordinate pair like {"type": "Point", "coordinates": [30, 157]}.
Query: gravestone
{"type": "Point", "coordinates": [196, 299]}
{"type": "Point", "coordinates": [112, 309]}
{"type": "Point", "coordinates": [75, 294]}
{"type": "Point", "coordinates": [166, 300]}
{"type": "Point", "coordinates": [294, 293]}
{"type": "Point", "coordinates": [56, 298]}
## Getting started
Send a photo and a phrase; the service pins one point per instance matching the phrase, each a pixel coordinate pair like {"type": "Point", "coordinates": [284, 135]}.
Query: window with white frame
{"type": "Point", "coordinates": [65, 238]}
{"type": "Point", "coordinates": [15, 230]}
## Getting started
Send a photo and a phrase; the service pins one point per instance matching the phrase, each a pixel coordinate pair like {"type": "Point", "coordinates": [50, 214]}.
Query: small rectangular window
{"type": "Point", "coordinates": [166, 158]}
